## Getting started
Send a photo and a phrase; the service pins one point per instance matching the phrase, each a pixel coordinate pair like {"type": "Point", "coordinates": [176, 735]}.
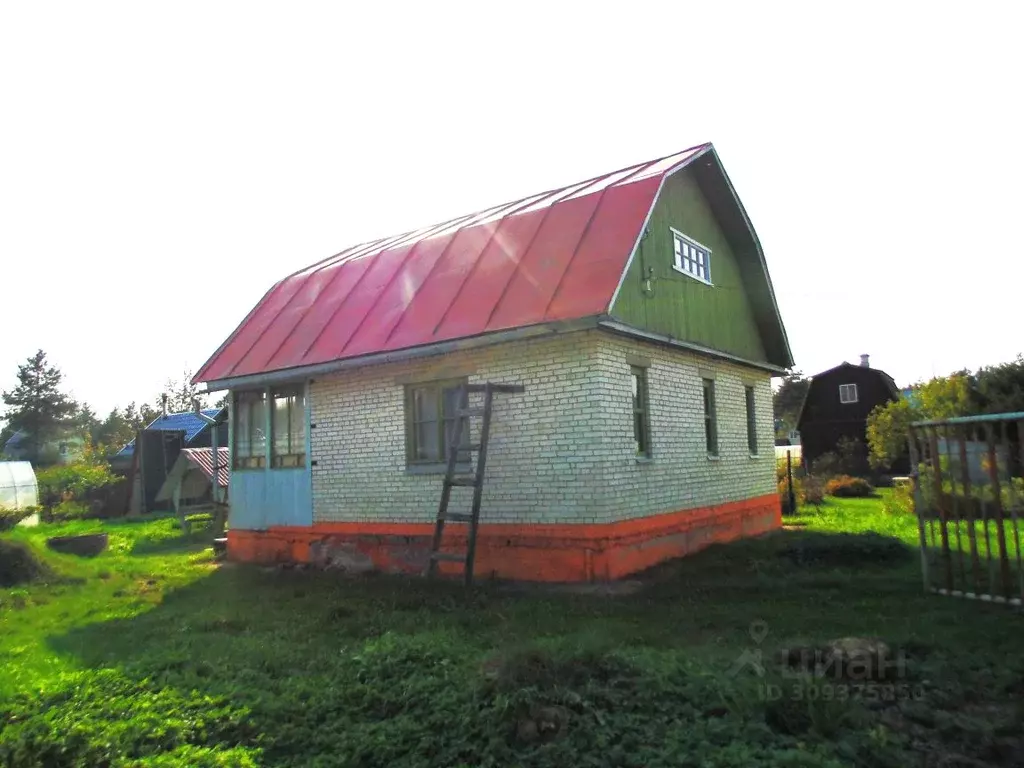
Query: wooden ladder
{"type": "Point", "coordinates": [475, 481]}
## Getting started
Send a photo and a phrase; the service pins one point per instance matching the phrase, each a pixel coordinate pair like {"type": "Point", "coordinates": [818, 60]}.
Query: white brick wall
{"type": "Point", "coordinates": [561, 452]}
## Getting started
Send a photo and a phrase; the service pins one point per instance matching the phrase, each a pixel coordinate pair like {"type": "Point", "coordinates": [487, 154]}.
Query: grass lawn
{"type": "Point", "coordinates": [151, 654]}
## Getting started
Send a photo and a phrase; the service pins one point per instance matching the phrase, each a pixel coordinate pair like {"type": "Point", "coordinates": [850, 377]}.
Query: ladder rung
{"type": "Point", "coordinates": [448, 557]}
{"type": "Point", "coordinates": [468, 482]}
{"type": "Point", "coordinates": [468, 448]}
{"type": "Point", "coordinates": [457, 517]}
{"type": "Point", "coordinates": [464, 412]}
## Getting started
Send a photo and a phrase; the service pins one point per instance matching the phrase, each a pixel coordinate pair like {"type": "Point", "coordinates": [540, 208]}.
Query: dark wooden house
{"type": "Point", "coordinates": [837, 406]}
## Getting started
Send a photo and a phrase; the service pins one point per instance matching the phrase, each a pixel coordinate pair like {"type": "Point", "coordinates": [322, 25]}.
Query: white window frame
{"type": "Point", "coordinates": [678, 239]}
{"type": "Point", "coordinates": [845, 391]}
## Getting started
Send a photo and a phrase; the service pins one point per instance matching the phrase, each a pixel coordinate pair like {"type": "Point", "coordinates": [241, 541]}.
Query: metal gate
{"type": "Point", "coordinates": [968, 485]}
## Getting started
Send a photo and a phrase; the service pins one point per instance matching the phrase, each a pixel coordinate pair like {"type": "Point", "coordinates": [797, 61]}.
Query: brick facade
{"type": "Point", "coordinates": [561, 453]}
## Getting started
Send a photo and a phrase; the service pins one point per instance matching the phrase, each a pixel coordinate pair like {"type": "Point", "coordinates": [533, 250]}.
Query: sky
{"type": "Point", "coordinates": [162, 165]}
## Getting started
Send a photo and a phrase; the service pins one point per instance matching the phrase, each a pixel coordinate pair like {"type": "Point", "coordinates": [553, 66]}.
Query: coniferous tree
{"type": "Point", "coordinates": [37, 406]}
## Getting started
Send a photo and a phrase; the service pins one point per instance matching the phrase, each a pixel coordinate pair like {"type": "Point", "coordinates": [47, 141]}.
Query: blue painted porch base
{"type": "Point", "coordinates": [261, 498]}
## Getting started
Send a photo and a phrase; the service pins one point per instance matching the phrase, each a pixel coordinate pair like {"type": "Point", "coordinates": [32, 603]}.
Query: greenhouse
{"type": "Point", "coordinates": [18, 488]}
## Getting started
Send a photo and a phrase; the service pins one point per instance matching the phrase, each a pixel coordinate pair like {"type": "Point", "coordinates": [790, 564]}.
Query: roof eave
{"type": "Point", "coordinates": [539, 330]}
{"type": "Point", "coordinates": [616, 326]}
{"type": "Point", "coordinates": [760, 254]}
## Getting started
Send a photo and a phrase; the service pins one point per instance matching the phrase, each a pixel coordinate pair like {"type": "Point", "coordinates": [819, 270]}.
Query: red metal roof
{"type": "Point", "coordinates": [202, 459]}
{"type": "Point", "coordinates": [553, 256]}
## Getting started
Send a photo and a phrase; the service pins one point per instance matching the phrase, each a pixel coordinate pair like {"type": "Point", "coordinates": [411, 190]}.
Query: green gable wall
{"type": "Point", "coordinates": [718, 316]}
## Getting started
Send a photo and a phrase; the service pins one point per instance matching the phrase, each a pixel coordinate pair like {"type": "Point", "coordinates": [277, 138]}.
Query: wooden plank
{"type": "Point", "coordinates": [972, 531]}
{"type": "Point", "coordinates": [956, 508]}
{"type": "Point", "coordinates": [481, 466]}
{"type": "Point", "coordinates": [943, 518]}
{"type": "Point", "coordinates": [993, 471]}
{"type": "Point", "coordinates": [446, 487]}
{"type": "Point", "coordinates": [918, 507]}
{"type": "Point", "coordinates": [1013, 513]}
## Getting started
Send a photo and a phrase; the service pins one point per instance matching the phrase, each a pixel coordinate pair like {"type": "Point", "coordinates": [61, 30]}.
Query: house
{"type": "Point", "coordinates": [66, 447]}
{"type": "Point", "coordinates": [162, 440]}
{"type": "Point", "coordinates": [836, 409]}
{"type": "Point", "coordinates": [196, 433]}
{"type": "Point", "coordinates": [636, 310]}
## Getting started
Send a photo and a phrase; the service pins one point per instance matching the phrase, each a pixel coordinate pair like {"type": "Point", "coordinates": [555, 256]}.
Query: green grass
{"type": "Point", "coordinates": [858, 516]}
{"type": "Point", "coordinates": [150, 654]}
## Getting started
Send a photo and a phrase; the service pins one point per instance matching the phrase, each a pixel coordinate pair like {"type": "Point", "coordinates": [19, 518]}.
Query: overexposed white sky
{"type": "Point", "coordinates": [162, 165]}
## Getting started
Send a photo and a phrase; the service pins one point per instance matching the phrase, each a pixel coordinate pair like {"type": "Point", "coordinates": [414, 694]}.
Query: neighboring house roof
{"type": "Point", "coordinates": [888, 380]}
{"type": "Point", "coordinates": [553, 257]}
{"type": "Point", "coordinates": [200, 459]}
{"type": "Point", "coordinates": [15, 441]}
{"type": "Point", "coordinates": [18, 440]}
{"type": "Point", "coordinates": [188, 422]}
{"type": "Point", "coordinates": [890, 383]}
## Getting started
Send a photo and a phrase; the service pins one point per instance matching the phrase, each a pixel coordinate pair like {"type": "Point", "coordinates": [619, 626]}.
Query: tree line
{"type": "Point", "coordinates": [40, 408]}
{"type": "Point", "coordinates": [989, 390]}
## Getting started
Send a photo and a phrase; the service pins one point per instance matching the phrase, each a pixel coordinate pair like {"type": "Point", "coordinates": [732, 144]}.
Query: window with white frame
{"type": "Point", "coordinates": [691, 258]}
{"type": "Point", "coordinates": [847, 393]}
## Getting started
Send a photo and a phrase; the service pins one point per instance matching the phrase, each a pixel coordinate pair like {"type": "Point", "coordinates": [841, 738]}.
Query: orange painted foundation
{"type": "Point", "coordinates": [542, 552]}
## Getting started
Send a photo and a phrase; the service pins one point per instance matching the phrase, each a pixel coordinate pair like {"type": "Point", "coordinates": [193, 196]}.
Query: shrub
{"type": "Point", "coordinates": [827, 465]}
{"type": "Point", "coordinates": [812, 490]}
{"type": "Point", "coordinates": [75, 482]}
{"type": "Point", "coordinates": [900, 501]}
{"type": "Point", "coordinates": [845, 486]}
{"type": "Point", "coordinates": [18, 565]}
{"type": "Point", "coordinates": [11, 517]}
{"type": "Point", "coordinates": [67, 510]}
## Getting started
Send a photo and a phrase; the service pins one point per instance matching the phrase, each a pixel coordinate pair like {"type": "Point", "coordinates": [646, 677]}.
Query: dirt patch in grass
{"type": "Point", "coordinates": [19, 565]}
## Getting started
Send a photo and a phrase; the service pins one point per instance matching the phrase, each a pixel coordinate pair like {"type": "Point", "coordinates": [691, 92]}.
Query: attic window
{"type": "Point", "coordinates": [847, 393]}
{"type": "Point", "coordinates": [691, 258]}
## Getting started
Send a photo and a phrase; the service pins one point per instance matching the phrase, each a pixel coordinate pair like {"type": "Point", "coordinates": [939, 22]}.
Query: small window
{"type": "Point", "coordinates": [710, 418]}
{"type": "Point", "coordinates": [250, 430]}
{"type": "Point", "coordinates": [691, 258]}
{"type": "Point", "coordinates": [289, 427]}
{"type": "Point", "coordinates": [641, 414]}
{"type": "Point", "coordinates": [751, 421]}
{"type": "Point", "coordinates": [847, 393]}
{"type": "Point", "coordinates": [431, 415]}
{"type": "Point", "coordinates": [63, 449]}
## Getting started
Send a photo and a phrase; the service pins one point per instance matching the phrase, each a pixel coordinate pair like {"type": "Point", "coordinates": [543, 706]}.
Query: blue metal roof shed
{"type": "Point", "coordinates": [188, 422]}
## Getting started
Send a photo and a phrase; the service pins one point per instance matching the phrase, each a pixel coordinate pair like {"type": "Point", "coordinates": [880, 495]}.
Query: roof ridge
{"type": "Point", "coordinates": [328, 309]}
{"type": "Point", "coordinates": [369, 246]}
